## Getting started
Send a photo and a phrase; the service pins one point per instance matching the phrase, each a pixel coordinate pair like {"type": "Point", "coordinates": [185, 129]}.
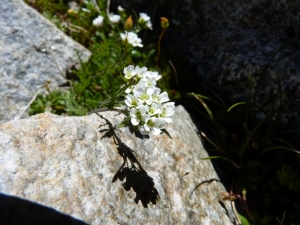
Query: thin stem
{"type": "Point", "coordinates": [107, 7]}
{"type": "Point", "coordinates": [158, 46]}
{"type": "Point", "coordinates": [106, 110]}
{"type": "Point", "coordinates": [174, 69]}
{"type": "Point", "coordinates": [26, 107]}
{"type": "Point", "coordinates": [232, 202]}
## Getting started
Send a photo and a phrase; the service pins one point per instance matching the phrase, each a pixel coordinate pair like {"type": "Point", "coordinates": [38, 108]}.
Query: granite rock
{"type": "Point", "coordinates": [84, 168]}
{"type": "Point", "coordinates": [32, 50]}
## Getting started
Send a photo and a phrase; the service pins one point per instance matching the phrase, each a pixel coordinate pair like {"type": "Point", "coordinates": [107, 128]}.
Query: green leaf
{"type": "Point", "coordinates": [244, 220]}
{"type": "Point", "coordinates": [215, 157]}
{"type": "Point", "coordinates": [236, 104]}
{"type": "Point", "coordinates": [136, 53]}
{"type": "Point", "coordinates": [166, 132]}
{"type": "Point", "coordinates": [200, 99]}
{"type": "Point", "coordinates": [101, 34]}
{"type": "Point", "coordinates": [124, 122]}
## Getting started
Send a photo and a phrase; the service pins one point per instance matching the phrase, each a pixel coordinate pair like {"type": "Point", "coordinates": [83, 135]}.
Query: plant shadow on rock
{"type": "Point", "coordinates": [134, 175]}
{"type": "Point", "coordinates": [14, 210]}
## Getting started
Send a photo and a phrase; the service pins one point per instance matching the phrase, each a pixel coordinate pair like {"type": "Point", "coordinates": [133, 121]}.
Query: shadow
{"type": "Point", "coordinates": [137, 133]}
{"type": "Point", "coordinates": [131, 171]}
{"type": "Point", "coordinates": [17, 211]}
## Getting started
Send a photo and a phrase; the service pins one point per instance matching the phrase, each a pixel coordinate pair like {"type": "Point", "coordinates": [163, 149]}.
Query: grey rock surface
{"type": "Point", "coordinates": [81, 167]}
{"type": "Point", "coordinates": [30, 49]}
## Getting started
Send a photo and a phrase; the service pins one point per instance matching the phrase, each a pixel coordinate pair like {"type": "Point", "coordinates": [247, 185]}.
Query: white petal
{"type": "Point", "coordinates": [143, 131]}
{"type": "Point", "coordinates": [169, 105]}
{"type": "Point", "coordinates": [149, 101]}
{"type": "Point", "coordinates": [156, 91]}
{"type": "Point", "coordinates": [142, 109]}
{"type": "Point", "coordinates": [146, 127]}
{"type": "Point", "coordinates": [133, 112]}
{"type": "Point", "coordinates": [156, 131]}
{"type": "Point", "coordinates": [169, 112]}
{"type": "Point", "coordinates": [135, 121]}
{"type": "Point", "coordinates": [150, 90]}
{"type": "Point", "coordinates": [145, 118]}
{"type": "Point", "coordinates": [164, 97]}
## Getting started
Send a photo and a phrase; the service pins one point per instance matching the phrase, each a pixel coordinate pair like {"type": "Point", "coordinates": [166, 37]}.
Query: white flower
{"type": "Point", "coordinates": [132, 39]}
{"type": "Point", "coordinates": [145, 94]}
{"type": "Point", "coordinates": [129, 72]}
{"type": "Point", "coordinates": [143, 130]}
{"type": "Point", "coordinates": [138, 114]}
{"type": "Point", "coordinates": [154, 109]}
{"type": "Point", "coordinates": [132, 101]}
{"type": "Point", "coordinates": [167, 110]}
{"type": "Point", "coordinates": [153, 75]}
{"type": "Point", "coordinates": [145, 19]}
{"type": "Point", "coordinates": [113, 18]}
{"type": "Point", "coordinates": [159, 98]}
{"type": "Point", "coordinates": [141, 72]}
{"type": "Point", "coordinates": [98, 22]}
{"type": "Point", "coordinates": [120, 9]}
{"type": "Point", "coordinates": [154, 125]}
{"type": "Point", "coordinates": [149, 24]}
{"type": "Point", "coordinates": [147, 82]}
{"type": "Point", "coordinates": [136, 42]}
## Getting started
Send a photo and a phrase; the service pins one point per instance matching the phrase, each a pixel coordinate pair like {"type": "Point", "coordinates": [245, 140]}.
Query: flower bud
{"type": "Point", "coordinates": [128, 24]}
{"type": "Point", "coordinates": [164, 22]}
{"type": "Point", "coordinates": [71, 12]}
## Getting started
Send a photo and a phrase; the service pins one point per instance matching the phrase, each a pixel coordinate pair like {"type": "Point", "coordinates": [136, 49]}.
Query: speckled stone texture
{"type": "Point", "coordinates": [77, 166]}
{"type": "Point", "coordinates": [30, 49]}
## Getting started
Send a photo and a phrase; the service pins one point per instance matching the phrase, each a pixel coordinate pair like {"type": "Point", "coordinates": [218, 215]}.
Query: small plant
{"type": "Point", "coordinates": [149, 110]}
{"type": "Point", "coordinates": [100, 83]}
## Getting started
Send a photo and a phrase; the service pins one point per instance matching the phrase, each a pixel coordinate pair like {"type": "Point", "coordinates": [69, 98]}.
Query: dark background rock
{"type": "Point", "coordinates": [30, 49]}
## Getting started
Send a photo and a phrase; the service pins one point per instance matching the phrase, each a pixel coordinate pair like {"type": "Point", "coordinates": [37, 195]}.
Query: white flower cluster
{"type": "Point", "coordinates": [132, 39]}
{"type": "Point", "coordinates": [113, 18]}
{"type": "Point", "coordinates": [150, 110]}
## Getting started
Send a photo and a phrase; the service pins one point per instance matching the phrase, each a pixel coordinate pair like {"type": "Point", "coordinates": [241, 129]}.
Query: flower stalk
{"type": "Point", "coordinates": [164, 25]}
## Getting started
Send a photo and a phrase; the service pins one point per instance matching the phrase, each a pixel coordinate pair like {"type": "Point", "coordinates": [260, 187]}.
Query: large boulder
{"type": "Point", "coordinates": [32, 50]}
{"type": "Point", "coordinates": [85, 168]}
